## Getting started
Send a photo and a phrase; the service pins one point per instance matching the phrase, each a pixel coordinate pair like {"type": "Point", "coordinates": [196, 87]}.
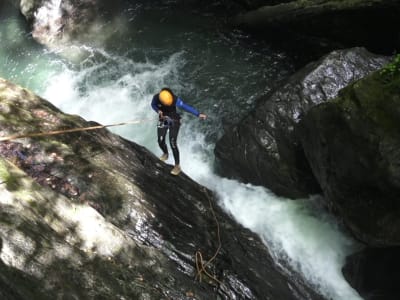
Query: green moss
{"type": "Point", "coordinates": [391, 70]}
{"type": "Point", "coordinates": [6, 177]}
{"type": "Point", "coordinates": [4, 174]}
{"type": "Point", "coordinates": [374, 99]}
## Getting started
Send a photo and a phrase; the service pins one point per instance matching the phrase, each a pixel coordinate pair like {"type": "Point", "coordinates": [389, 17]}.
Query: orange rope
{"type": "Point", "coordinates": [55, 132]}
{"type": "Point", "coordinates": [200, 264]}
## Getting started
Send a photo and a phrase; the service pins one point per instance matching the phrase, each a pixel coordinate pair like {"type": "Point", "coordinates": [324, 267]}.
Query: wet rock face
{"type": "Point", "coordinates": [263, 148]}
{"type": "Point", "coordinates": [374, 273]}
{"type": "Point", "coordinates": [97, 180]}
{"type": "Point", "coordinates": [253, 4]}
{"type": "Point", "coordinates": [353, 145]}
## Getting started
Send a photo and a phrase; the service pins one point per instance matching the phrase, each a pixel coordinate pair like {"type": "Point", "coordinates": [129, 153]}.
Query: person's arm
{"type": "Point", "coordinates": [189, 109]}
{"type": "Point", "coordinates": [154, 105]}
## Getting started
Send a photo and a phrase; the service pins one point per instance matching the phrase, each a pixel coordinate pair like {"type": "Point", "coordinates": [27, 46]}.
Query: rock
{"type": "Point", "coordinates": [375, 273]}
{"type": "Point", "coordinates": [54, 249]}
{"type": "Point", "coordinates": [353, 146]}
{"type": "Point", "coordinates": [263, 148]}
{"type": "Point", "coordinates": [90, 215]}
{"type": "Point", "coordinates": [28, 7]}
{"type": "Point", "coordinates": [369, 23]}
{"type": "Point", "coordinates": [65, 25]}
{"type": "Point", "coordinates": [253, 4]}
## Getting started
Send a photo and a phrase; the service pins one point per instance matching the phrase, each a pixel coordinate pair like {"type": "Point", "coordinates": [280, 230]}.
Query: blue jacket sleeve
{"type": "Point", "coordinates": [154, 103]}
{"type": "Point", "coordinates": [186, 107]}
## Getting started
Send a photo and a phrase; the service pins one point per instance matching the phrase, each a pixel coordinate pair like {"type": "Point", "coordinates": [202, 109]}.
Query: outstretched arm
{"type": "Point", "coordinates": [189, 109]}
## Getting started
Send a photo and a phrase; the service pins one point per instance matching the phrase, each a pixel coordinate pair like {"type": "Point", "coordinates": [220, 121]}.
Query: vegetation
{"type": "Point", "coordinates": [391, 70]}
{"type": "Point", "coordinates": [7, 178]}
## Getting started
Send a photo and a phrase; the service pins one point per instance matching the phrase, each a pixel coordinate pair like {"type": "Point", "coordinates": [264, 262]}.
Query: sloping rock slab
{"type": "Point", "coordinates": [51, 248]}
{"type": "Point", "coordinates": [263, 148]}
{"type": "Point", "coordinates": [162, 220]}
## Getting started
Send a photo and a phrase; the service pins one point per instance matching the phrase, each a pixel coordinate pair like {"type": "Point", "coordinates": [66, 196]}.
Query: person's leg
{"type": "Point", "coordinates": [161, 133]}
{"type": "Point", "coordinates": [173, 140]}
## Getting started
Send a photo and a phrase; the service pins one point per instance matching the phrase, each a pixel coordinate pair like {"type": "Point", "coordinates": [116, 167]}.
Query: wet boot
{"type": "Point", "coordinates": [164, 157]}
{"type": "Point", "coordinates": [176, 170]}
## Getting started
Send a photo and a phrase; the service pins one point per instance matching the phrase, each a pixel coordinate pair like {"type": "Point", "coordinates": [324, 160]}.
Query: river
{"type": "Point", "coordinates": [220, 72]}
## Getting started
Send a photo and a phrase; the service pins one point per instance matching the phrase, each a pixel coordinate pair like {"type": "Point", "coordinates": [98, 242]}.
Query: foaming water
{"type": "Point", "coordinates": [113, 91]}
{"type": "Point", "coordinates": [111, 88]}
{"type": "Point", "coordinates": [299, 234]}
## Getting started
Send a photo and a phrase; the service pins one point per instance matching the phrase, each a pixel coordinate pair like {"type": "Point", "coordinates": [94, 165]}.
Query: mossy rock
{"type": "Point", "coordinates": [353, 146]}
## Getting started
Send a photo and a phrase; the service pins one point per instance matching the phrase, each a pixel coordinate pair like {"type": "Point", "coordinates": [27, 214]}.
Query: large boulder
{"type": "Point", "coordinates": [90, 215]}
{"type": "Point", "coordinates": [370, 23]}
{"type": "Point", "coordinates": [263, 148]}
{"type": "Point", "coordinates": [353, 146]}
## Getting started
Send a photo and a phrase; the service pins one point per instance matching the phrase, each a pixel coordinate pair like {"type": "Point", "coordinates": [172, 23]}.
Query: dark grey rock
{"type": "Point", "coordinates": [375, 273]}
{"type": "Point", "coordinates": [253, 4]}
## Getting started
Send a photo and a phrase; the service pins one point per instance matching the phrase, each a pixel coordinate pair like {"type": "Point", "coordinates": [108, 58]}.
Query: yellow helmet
{"type": "Point", "coordinates": [166, 97]}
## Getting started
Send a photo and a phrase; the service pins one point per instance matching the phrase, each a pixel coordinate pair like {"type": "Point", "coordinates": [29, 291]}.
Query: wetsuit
{"type": "Point", "coordinates": [170, 121]}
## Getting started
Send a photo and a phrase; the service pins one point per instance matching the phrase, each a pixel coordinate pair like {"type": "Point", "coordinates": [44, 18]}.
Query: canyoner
{"type": "Point", "coordinates": [164, 104]}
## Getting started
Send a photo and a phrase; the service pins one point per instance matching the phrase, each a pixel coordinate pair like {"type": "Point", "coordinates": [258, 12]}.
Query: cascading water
{"type": "Point", "coordinates": [219, 73]}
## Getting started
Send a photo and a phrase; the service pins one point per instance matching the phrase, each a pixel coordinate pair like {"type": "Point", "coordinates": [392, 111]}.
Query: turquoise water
{"type": "Point", "coordinates": [218, 71]}
{"type": "Point", "coordinates": [22, 60]}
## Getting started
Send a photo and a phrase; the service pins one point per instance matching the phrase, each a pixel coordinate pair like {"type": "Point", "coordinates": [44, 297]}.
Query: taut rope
{"type": "Point", "coordinates": [55, 132]}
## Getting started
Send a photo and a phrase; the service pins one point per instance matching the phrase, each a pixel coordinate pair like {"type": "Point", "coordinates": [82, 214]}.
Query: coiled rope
{"type": "Point", "coordinates": [200, 264]}
{"type": "Point", "coordinates": [61, 131]}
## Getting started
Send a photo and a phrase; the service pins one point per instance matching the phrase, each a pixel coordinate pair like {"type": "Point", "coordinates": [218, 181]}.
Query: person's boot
{"type": "Point", "coordinates": [164, 157]}
{"type": "Point", "coordinates": [176, 170]}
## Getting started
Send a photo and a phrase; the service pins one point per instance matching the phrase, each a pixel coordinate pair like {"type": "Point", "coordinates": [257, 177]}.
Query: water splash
{"type": "Point", "coordinates": [114, 89]}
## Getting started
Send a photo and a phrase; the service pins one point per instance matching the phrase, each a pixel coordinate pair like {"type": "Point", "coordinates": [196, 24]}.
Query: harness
{"type": "Point", "coordinates": [166, 122]}
{"type": "Point", "coordinates": [170, 116]}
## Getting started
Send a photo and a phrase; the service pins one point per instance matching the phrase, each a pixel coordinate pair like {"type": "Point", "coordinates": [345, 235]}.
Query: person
{"type": "Point", "coordinates": [164, 104]}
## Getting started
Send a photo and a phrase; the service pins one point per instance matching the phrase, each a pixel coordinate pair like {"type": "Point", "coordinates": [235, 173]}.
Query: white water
{"type": "Point", "coordinates": [297, 232]}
